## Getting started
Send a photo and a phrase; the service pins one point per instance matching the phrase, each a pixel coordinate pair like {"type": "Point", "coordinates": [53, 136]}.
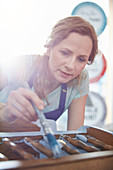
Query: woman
{"type": "Point", "coordinates": [57, 80]}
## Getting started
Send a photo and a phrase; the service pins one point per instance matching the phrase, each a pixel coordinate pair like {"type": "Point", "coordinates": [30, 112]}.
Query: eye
{"type": "Point", "coordinates": [64, 53]}
{"type": "Point", "coordinates": [81, 59]}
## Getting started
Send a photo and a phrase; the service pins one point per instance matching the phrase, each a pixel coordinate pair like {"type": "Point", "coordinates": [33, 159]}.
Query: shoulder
{"type": "Point", "coordinates": [82, 78]}
{"type": "Point", "coordinates": [17, 70]}
{"type": "Point", "coordinates": [29, 59]}
{"type": "Point", "coordinates": [77, 89]}
{"type": "Point", "coordinates": [83, 85]}
{"type": "Point", "coordinates": [80, 85]}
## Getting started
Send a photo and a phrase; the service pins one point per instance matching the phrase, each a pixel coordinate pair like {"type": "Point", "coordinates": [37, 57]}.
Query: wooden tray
{"type": "Point", "coordinates": [102, 160]}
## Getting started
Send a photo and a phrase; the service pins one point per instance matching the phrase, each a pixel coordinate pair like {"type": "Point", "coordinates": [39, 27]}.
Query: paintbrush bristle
{"type": "Point", "coordinates": [54, 145]}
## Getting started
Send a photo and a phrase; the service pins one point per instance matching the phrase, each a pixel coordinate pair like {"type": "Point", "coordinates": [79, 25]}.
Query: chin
{"type": "Point", "coordinates": [63, 81]}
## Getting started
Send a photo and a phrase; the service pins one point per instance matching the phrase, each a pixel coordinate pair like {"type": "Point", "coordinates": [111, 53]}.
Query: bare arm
{"type": "Point", "coordinates": [76, 113]}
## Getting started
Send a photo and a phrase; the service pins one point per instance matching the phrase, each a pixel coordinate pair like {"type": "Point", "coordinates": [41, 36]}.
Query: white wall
{"type": "Point", "coordinates": [25, 24]}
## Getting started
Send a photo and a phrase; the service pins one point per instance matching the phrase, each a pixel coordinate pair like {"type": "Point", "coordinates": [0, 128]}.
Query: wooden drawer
{"type": "Point", "coordinates": [101, 159]}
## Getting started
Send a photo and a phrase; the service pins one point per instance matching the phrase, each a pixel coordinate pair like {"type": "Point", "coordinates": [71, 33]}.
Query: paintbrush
{"type": "Point", "coordinates": [48, 132]}
{"type": "Point", "coordinates": [95, 142]}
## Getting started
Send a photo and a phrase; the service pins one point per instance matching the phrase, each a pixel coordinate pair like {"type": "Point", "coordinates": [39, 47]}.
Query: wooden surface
{"type": "Point", "coordinates": [18, 126]}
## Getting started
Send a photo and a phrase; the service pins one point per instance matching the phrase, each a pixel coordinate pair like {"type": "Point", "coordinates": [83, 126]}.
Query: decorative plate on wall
{"type": "Point", "coordinates": [95, 110]}
{"type": "Point", "coordinates": [92, 13]}
{"type": "Point", "coordinates": [97, 69]}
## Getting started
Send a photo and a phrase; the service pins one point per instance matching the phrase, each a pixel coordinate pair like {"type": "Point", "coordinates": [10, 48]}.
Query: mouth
{"type": "Point", "coordinates": [65, 74]}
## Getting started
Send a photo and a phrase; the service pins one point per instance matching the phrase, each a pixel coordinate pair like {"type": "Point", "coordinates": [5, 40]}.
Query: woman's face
{"type": "Point", "coordinates": [69, 57]}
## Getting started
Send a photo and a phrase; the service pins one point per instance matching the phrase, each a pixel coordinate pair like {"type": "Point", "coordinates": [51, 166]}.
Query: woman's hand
{"type": "Point", "coordinates": [19, 106]}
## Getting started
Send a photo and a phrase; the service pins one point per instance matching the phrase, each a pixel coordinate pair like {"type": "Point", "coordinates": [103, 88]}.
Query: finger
{"type": "Point", "coordinates": [27, 109]}
{"type": "Point", "coordinates": [23, 97]}
{"type": "Point", "coordinates": [33, 97]}
{"type": "Point", "coordinates": [22, 110]}
{"type": "Point", "coordinates": [12, 112]}
{"type": "Point", "coordinates": [22, 104]}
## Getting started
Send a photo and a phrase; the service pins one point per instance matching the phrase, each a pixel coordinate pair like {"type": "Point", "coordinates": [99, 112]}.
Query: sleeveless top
{"type": "Point", "coordinates": [59, 99]}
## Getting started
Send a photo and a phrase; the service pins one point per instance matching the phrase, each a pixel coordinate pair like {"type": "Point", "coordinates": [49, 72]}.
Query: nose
{"type": "Point", "coordinates": [70, 64]}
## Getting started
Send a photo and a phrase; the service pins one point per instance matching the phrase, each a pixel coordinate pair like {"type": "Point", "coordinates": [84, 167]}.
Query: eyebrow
{"type": "Point", "coordinates": [69, 51]}
{"type": "Point", "coordinates": [84, 56]}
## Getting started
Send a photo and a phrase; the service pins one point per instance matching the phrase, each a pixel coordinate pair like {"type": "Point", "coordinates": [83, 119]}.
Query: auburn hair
{"type": "Point", "coordinates": [59, 32]}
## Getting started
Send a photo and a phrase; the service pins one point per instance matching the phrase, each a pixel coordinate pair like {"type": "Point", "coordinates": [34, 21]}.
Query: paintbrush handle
{"type": "Point", "coordinates": [69, 150]}
{"type": "Point", "coordinates": [38, 146]}
{"type": "Point", "coordinates": [3, 157]}
{"type": "Point", "coordinates": [99, 144]}
{"type": "Point", "coordinates": [80, 144]}
{"type": "Point", "coordinates": [17, 149]}
{"type": "Point", "coordinates": [43, 120]}
{"type": "Point", "coordinates": [66, 148]}
{"type": "Point", "coordinates": [40, 114]}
